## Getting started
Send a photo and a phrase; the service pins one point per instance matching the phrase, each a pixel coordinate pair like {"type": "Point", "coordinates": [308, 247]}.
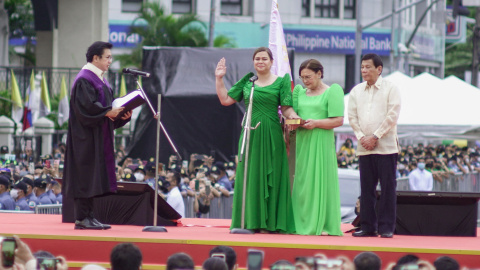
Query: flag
{"type": "Point", "coordinates": [17, 104]}
{"type": "Point", "coordinates": [44, 98]}
{"type": "Point", "coordinates": [27, 113]}
{"type": "Point", "coordinates": [276, 43]}
{"type": "Point", "coordinates": [123, 87]}
{"type": "Point", "coordinates": [32, 100]}
{"type": "Point", "coordinates": [63, 106]}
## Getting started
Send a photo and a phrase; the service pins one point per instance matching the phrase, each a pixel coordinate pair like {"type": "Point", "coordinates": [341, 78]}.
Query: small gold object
{"type": "Point", "coordinates": [297, 121]}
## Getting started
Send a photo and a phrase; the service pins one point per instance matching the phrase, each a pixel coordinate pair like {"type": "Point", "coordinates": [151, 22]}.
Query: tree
{"type": "Point", "coordinates": [458, 57]}
{"type": "Point", "coordinates": [21, 25]}
{"type": "Point", "coordinates": [159, 29]}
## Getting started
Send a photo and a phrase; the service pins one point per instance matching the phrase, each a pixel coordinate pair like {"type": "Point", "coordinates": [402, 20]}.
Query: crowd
{"type": "Point", "coordinates": [440, 160]}
{"type": "Point", "coordinates": [200, 177]}
{"type": "Point", "coordinates": [128, 256]}
{"type": "Point", "coordinates": [25, 184]}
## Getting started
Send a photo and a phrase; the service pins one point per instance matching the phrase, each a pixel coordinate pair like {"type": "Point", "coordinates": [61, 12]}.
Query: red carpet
{"type": "Point", "coordinates": [197, 236]}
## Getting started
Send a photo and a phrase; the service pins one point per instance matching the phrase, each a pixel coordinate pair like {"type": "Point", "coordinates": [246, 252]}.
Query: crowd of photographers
{"type": "Point", "coordinates": [200, 177]}
{"type": "Point", "coordinates": [17, 255]}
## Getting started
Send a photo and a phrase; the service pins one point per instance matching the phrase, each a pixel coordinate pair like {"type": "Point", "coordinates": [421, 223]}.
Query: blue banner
{"type": "Point", "coordinates": [311, 41]}
{"type": "Point", "coordinates": [120, 37]}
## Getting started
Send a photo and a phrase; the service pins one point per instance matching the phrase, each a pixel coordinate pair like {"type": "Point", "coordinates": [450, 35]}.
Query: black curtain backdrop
{"type": "Point", "coordinates": [191, 111]}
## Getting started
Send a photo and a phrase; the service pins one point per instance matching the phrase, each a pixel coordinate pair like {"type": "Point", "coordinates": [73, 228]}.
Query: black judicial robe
{"type": "Point", "coordinates": [89, 168]}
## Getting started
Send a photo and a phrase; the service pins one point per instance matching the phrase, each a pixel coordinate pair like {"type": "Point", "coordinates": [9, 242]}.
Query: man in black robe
{"type": "Point", "coordinates": [89, 159]}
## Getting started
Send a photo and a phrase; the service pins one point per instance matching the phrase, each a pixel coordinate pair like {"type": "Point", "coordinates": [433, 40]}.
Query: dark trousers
{"type": "Point", "coordinates": [83, 207]}
{"type": "Point", "coordinates": [372, 169]}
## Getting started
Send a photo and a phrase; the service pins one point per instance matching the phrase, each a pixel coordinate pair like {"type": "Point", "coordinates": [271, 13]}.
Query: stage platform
{"type": "Point", "coordinates": [197, 236]}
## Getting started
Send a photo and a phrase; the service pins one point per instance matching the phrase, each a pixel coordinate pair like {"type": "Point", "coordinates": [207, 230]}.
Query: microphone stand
{"type": "Point", "coordinates": [244, 150]}
{"type": "Point", "coordinates": [158, 114]}
{"type": "Point", "coordinates": [156, 228]}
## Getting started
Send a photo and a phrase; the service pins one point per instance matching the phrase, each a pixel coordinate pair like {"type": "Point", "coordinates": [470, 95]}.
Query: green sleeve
{"type": "Point", "coordinates": [286, 91]}
{"type": "Point", "coordinates": [335, 101]}
{"type": "Point", "coordinates": [236, 92]}
{"type": "Point", "coordinates": [296, 92]}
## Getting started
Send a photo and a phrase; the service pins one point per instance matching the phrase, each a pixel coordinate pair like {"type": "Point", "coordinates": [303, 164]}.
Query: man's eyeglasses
{"type": "Point", "coordinates": [109, 57]}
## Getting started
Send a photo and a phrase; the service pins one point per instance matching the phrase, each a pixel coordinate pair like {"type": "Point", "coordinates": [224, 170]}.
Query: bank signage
{"type": "Point", "coordinates": [120, 37]}
{"type": "Point", "coordinates": [314, 41]}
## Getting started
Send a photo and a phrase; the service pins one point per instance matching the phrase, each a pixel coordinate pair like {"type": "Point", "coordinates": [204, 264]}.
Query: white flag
{"type": "Point", "coordinates": [276, 43]}
{"type": "Point", "coordinates": [63, 106]}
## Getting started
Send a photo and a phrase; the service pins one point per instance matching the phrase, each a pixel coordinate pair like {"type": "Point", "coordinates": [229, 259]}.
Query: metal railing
{"type": "Point", "coordinates": [49, 209]}
{"type": "Point", "coordinates": [458, 182]}
{"type": "Point", "coordinates": [220, 207]}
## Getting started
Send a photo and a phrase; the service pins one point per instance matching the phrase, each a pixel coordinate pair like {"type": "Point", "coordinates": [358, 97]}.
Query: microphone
{"type": "Point", "coordinates": [136, 72]}
{"type": "Point", "coordinates": [253, 78]}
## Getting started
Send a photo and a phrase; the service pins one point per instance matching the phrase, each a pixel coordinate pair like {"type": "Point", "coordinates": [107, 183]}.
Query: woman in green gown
{"type": "Point", "coordinates": [268, 204]}
{"type": "Point", "coordinates": [316, 196]}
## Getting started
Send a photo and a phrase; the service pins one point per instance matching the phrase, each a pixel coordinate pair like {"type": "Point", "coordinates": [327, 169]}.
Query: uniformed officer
{"type": "Point", "coordinates": [18, 194]}
{"type": "Point", "coordinates": [30, 196]}
{"type": "Point", "coordinates": [57, 190]}
{"type": "Point", "coordinates": [40, 186]}
{"type": "Point", "coordinates": [6, 201]}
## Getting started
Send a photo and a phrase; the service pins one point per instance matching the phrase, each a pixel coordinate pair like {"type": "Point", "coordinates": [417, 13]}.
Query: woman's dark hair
{"type": "Point", "coordinates": [311, 64]}
{"type": "Point", "coordinates": [97, 48]}
{"type": "Point", "coordinates": [263, 49]}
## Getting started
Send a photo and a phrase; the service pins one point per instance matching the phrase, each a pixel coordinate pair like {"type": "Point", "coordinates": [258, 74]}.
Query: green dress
{"type": "Point", "coordinates": [268, 203]}
{"type": "Point", "coordinates": [316, 196]}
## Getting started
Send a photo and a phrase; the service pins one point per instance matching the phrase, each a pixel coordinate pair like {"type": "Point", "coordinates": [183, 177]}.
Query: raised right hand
{"type": "Point", "coordinates": [221, 69]}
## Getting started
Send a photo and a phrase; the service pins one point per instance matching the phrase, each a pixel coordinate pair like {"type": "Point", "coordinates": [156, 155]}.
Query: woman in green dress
{"type": "Point", "coordinates": [268, 204]}
{"type": "Point", "coordinates": [316, 196]}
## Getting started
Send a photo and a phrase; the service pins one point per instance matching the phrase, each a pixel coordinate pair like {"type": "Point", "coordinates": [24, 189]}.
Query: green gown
{"type": "Point", "coordinates": [316, 196]}
{"type": "Point", "coordinates": [268, 203]}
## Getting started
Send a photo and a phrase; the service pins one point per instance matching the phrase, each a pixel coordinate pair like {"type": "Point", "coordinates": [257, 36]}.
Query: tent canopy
{"type": "Point", "coordinates": [433, 108]}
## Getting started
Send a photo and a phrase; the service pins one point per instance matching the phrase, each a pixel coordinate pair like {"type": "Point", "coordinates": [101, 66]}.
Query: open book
{"type": "Point", "coordinates": [130, 101]}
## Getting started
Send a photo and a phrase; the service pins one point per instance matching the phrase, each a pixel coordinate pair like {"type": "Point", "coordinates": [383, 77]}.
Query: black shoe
{"type": "Point", "coordinates": [387, 235]}
{"type": "Point", "coordinates": [98, 223]}
{"type": "Point", "coordinates": [364, 234]}
{"type": "Point", "coordinates": [87, 224]}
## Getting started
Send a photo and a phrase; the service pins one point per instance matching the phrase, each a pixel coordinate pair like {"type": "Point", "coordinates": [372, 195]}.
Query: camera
{"type": "Point", "coordinates": [8, 251]}
{"type": "Point", "coordinates": [317, 263]}
{"type": "Point", "coordinates": [254, 259]}
{"type": "Point", "coordinates": [328, 264]}
{"type": "Point", "coordinates": [47, 263]}
{"type": "Point", "coordinates": [207, 187]}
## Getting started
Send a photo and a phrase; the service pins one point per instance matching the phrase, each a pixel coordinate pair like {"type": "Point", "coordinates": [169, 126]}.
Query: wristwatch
{"type": "Point", "coordinates": [375, 136]}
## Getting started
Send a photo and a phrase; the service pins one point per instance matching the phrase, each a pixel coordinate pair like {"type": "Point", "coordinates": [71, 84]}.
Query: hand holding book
{"type": "Point", "coordinates": [128, 103]}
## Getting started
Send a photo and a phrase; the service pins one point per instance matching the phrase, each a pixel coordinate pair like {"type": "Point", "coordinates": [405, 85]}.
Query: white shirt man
{"type": "Point", "coordinates": [174, 197]}
{"type": "Point", "coordinates": [420, 179]}
{"type": "Point", "coordinates": [373, 110]}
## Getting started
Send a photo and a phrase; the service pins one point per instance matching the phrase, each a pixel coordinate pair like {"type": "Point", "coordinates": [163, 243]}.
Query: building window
{"type": "Point", "coordinates": [231, 7]}
{"type": "Point", "coordinates": [338, 9]}
{"type": "Point", "coordinates": [182, 6]}
{"type": "Point", "coordinates": [349, 8]}
{"type": "Point", "coordinates": [326, 8]}
{"type": "Point", "coordinates": [132, 5]}
{"type": "Point", "coordinates": [305, 8]}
